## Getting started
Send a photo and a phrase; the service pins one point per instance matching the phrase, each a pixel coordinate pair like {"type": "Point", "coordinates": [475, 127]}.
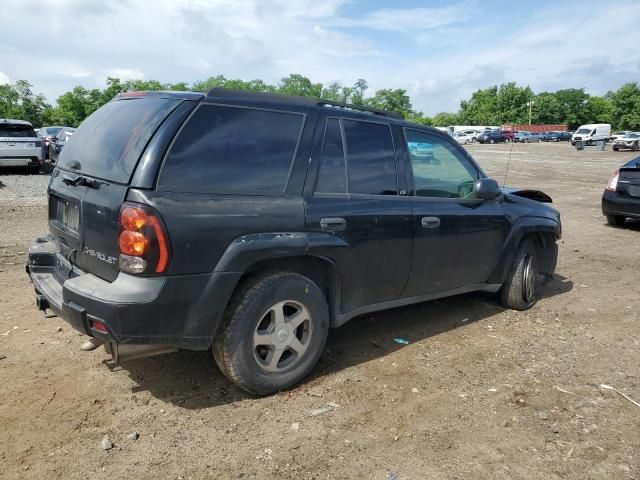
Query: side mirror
{"type": "Point", "coordinates": [486, 189]}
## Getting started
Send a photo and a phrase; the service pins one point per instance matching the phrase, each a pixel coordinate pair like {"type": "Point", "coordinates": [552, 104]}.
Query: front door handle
{"type": "Point", "coordinates": [430, 222]}
{"type": "Point", "coordinates": [333, 224]}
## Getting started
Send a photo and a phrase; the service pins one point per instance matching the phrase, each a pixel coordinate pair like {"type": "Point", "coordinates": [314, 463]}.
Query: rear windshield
{"type": "Point", "coordinates": [17, 131]}
{"type": "Point", "coordinates": [53, 131]}
{"type": "Point", "coordinates": [108, 143]}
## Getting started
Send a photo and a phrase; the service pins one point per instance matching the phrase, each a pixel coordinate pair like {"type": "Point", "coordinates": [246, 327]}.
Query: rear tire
{"type": "Point", "coordinates": [520, 291]}
{"type": "Point", "coordinates": [261, 347]}
{"type": "Point", "coordinates": [616, 220]}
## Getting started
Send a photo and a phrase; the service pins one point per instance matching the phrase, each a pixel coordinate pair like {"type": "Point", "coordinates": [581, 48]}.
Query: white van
{"type": "Point", "coordinates": [591, 133]}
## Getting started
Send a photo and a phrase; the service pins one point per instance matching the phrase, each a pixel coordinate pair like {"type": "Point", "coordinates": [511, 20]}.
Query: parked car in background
{"type": "Point", "coordinates": [619, 134]}
{"type": "Point", "coordinates": [155, 243]}
{"type": "Point", "coordinates": [494, 136]}
{"type": "Point", "coordinates": [564, 136]}
{"type": "Point", "coordinates": [509, 135]}
{"type": "Point", "coordinates": [464, 137]}
{"type": "Point", "coordinates": [550, 136]}
{"type": "Point", "coordinates": [556, 136]}
{"type": "Point", "coordinates": [630, 141]}
{"type": "Point", "coordinates": [621, 198]}
{"type": "Point", "coordinates": [524, 136]}
{"type": "Point", "coordinates": [58, 142]}
{"type": "Point", "coordinates": [589, 134]}
{"type": "Point", "coordinates": [534, 137]}
{"type": "Point", "coordinates": [19, 145]}
{"type": "Point", "coordinates": [46, 134]}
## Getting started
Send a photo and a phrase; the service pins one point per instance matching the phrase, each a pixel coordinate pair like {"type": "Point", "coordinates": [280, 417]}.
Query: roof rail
{"type": "Point", "coordinates": [297, 100]}
{"type": "Point", "coordinates": [359, 108]}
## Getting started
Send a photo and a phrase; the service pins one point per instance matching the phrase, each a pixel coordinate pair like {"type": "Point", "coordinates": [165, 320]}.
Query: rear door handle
{"type": "Point", "coordinates": [430, 222]}
{"type": "Point", "coordinates": [333, 224]}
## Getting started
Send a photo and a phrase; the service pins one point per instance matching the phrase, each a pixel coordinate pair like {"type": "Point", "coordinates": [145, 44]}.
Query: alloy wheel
{"type": "Point", "coordinates": [282, 336]}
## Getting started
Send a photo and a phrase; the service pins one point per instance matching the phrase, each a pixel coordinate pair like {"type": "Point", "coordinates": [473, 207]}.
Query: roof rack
{"type": "Point", "coordinates": [221, 92]}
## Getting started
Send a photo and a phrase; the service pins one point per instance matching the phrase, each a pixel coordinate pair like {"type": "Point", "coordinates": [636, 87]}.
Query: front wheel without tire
{"type": "Point", "coordinates": [273, 334]}
{"type": "Point", "coordinates": [520, 291]}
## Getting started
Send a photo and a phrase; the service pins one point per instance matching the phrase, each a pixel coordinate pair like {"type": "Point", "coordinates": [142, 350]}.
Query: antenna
{"type": "Point", "coordinates": [506, 172]}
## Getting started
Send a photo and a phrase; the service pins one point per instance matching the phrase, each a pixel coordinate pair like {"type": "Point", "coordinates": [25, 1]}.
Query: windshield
{"type": "Point", "coordinates": [109, 142]}
{"type": "Point", "coordinates": [583, 131]}
{"type": "Point", "coordinates": [633, 135]}
{"type": "Point", "coordinates": [17, 131]}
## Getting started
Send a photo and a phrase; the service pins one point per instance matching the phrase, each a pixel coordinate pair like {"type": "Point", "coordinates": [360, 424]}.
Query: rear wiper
{"type": "Point", "coordinates": [79, 180]}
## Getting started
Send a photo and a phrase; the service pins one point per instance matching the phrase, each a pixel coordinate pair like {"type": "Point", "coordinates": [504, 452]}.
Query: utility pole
{"type": "Point", "coordinates": [530, 102]}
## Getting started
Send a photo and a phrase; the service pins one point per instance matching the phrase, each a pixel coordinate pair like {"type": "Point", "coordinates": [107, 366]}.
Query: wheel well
{"type": "Point", "coordinates": [546, 251]}
{"type": "Point", "coordinates": [320, 270]}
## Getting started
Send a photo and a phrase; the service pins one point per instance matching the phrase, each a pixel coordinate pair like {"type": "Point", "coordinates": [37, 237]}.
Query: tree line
{"type": "Point", "coordinates": [496, 105]}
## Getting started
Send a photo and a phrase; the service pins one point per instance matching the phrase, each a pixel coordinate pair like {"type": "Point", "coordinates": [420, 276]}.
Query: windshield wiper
{"type": "Point", "coordinates": [79, 180]}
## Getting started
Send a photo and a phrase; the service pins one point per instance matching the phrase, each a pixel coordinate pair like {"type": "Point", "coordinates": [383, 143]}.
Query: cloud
{"type": "Point", "coordinates": [411, 19]}
{"type": "Point", "coordinates": [439, 54]}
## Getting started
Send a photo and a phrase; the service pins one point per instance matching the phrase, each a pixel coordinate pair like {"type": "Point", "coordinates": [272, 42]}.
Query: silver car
{"type": "Point", "coordinates": [19, 145]}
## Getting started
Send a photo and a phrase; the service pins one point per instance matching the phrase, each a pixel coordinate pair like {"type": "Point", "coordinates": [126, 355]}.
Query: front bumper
{"type": "Point", "coordinates": [615, 204]}
{"type": "Point", "coordinates": [182, 311]}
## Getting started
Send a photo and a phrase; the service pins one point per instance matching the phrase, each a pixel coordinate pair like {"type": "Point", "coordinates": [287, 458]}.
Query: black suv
{"type": "Point", "coordinates": [252, 223]}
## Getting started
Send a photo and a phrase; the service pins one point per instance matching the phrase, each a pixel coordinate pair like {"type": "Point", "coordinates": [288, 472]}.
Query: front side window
{"type": "Point", "coordinates": [233, 150]}
{"type": "Point", "coordinates": [370, 158]}
{"type": "Point", "coordinates": [439, 168]}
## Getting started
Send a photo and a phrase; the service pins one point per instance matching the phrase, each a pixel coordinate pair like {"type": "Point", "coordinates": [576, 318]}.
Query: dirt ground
{"type": "Point", "coordinates": [479, 392]}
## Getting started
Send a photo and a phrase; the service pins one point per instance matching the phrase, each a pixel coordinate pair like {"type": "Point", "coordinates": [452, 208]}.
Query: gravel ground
{"type": "Point", "coordinates": [479, 392]}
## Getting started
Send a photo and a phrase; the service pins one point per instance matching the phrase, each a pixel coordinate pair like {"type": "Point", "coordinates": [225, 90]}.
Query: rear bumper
{"type": "Point", "coordinates": [614, 204]}
{"type": "Point", "coordinates": [182, 311]}
{"type": "Point", "coordinates": [20, 161]}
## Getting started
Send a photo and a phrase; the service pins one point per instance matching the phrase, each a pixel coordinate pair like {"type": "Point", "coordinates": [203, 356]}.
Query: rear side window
{"type": "Point", "coordinates": [332, 177]}
{"type": "Point", "coordinates": [16, 131]}
{"type": "Point", "coordinates": [231, 150]}
{"type": "Point", "coordinates": [109, 142]}
{"type": "Point", "coordinates": [370, 157]}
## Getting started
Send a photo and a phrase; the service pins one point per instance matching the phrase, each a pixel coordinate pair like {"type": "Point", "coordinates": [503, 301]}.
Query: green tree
{"type": "Point", "coordinates": [481, 108]}
{"type": "Point", "coordinates": [220, 81]}
{"type": "Point", "coordinates": [393, 100]}
{"type": "Point", "coordinates": [446, 119]}
{"type": "Point", "coordinates": [625, 107]}
{"type": "Point", "coordinates": [573, 106]}
{"type": "Point", "coordinates": [600, 109]}
{"type": "Point", "coordinates": [74, 106]}
{"type": "Point", "coordinates": [546, 109]}
{"type": "Point", "coordinates": [296, 84]}
{"type": "Point", "coordinates": [18, 101]}
{"type": "Point", "coordinates": [419, 117]}
{"type": "Point", "coordinates": [511, 103]}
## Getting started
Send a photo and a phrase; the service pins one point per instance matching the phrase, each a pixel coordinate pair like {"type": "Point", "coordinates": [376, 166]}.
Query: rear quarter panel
{"type": "Point", "coordinates": [201, 226]}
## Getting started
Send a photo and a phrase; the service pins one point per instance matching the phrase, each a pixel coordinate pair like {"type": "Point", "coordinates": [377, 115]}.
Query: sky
{"type": "Point", "coordinates": [440, 52]}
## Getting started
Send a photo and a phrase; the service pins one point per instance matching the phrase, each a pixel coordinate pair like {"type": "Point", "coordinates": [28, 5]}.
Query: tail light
{"type": "Point", "coordinates": [613, 183]}
{"type": "Point", "coordinates": [142, 239]}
